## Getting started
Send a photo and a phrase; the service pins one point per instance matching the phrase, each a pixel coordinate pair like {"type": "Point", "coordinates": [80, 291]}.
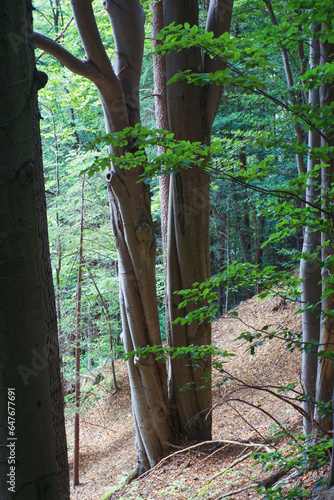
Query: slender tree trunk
{"type": "Point", "coordinates": [325, 375]}
{"type": "Point", "coordinates": [28, 465]}
{"type": "Point", "coordinates": [51, 316]}
{"type": "Point", "coordinates": [161, 122]}
{"type": "Point", "coordinates": [290, 84]}
{"type": "Point", "coordinates": [77, 349]}
{"type": "Point", "coordinates": [228, 254]}
{"type": "Point", "coordinates": [310, 271]}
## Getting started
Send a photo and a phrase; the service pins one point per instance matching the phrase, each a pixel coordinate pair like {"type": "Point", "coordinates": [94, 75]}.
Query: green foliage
{"type": "Point", "coordinates": [237, 275]}
{"type": "Point", "coordinates": [299, 455]}
{"type": "Point", "coordinates": [137, 140]}
{"type": "Point", "coordinates": [191, 352]}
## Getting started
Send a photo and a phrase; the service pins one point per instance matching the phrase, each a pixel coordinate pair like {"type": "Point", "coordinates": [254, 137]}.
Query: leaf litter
{"type": "Point", "coordinates": [242, 423]}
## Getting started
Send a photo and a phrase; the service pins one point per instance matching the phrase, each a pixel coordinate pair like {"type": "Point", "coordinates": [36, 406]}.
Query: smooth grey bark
{"type": "Point", "coordinates": [24, 362]}
{"type": "Point", "coordinates": [310, 273]}
{"type": "Point", "coordinates": [325, 374]}
{"type": "Point", "coordinates": [118, 87]}
{"type": "Point", "coordinates": [191, 111]}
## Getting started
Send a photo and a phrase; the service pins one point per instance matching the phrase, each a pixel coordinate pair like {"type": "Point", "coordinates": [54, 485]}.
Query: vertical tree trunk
{"type": "Point", "coordinates": [188, 235]}
{"type": "Point", "coordinates": [28, 468]}
{"type": "Point", "coordinates": [228, 254]}
{"type": "Point", "coordinates": [161, 121]}
{"type": "Point", "coordinates": [310, 270]}
{"type": "Point", "coordinates": [325, 375]}
{"type": "Point", "coordinates": [133, 229]}
{"type": "Point", "coordinates": [191, 111]}
{"type": "Point", "coordinates": [51, 316]}
{"type": "Point", "coordinates": [77, 349]}
{"type": "Point", "coordinates": [290, 84]}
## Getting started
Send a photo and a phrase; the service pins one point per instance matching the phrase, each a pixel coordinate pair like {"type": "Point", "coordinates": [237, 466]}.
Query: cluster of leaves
{"type": "Point", "coordinates": [237, 275]}
{"type": "Point", "coordinates": [301, 454]}
{"type": "Point", "coordinates": [129, 150]}
{"type": "Point", "coordinates": [191, 352]}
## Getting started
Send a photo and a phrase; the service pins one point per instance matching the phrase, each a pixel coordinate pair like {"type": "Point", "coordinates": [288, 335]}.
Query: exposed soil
{"type": "Point", "coordinates": [241, 414]}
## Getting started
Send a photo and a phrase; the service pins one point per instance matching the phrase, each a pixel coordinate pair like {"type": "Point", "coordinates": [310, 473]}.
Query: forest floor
{"type": "Point", "coordinates": [241, 414]}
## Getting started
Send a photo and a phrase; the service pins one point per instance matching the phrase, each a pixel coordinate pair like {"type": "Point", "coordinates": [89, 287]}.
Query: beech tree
{"type": "Point", "coordinates": [159, 414]}
{"type": "Point", "coordinates": [191, 111]}
{"type": "Point", "coordinates": [325, 369]}
{"type": "Point", "coordinates": [34, 456]}
{"type": "Point", "coordinates": [310, 273]}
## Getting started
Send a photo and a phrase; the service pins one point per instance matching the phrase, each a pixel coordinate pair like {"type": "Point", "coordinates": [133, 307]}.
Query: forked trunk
{"type": "Point", "coordinates": [118, 87]}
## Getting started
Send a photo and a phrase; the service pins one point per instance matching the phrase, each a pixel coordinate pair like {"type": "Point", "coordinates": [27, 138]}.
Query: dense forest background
{"type": "Point", "coordinates": [242, 218]}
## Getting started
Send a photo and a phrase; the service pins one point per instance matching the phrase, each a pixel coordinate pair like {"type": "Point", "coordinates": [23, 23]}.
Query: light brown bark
{"type": "Point", "coordinates": [161, 122]}
{"type": "Point", "coordinates": [191, 111]}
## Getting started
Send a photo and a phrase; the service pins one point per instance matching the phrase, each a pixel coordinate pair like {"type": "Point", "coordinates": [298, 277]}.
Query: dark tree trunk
{"type": "Point", "coordinates": [27, 313]}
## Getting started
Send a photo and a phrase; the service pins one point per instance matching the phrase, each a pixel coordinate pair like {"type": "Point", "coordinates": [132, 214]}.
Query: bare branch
{"type": "Point", "coordinates": [57, 37]}
{"type": "Point", "coordinates": [83, 68]}
{"type": "Point", "coordinates": [204, 443]}
{"type": "Point", "coordinates": [90, 37]}
{"type": "Point", "coordinates": [219, 22]}
{"type": "Point", "coordinates": [233, 464]}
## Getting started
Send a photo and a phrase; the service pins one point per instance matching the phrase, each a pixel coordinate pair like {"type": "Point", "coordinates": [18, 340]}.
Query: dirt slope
{"type": "Point", "coordinates": [241, 414]}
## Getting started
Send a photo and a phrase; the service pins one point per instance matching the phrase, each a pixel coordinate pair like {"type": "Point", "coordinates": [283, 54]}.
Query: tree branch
{"type": "Point", "coordinates": [58, 37]}
{"type": "Point", "coordinates": [219, 22]}
{"type": "Point", "coordinates": [82, 68]}
{"type": "Point", "coordinates": [86, 25]}
{"type": "Point", "coordinates": [127, 20]}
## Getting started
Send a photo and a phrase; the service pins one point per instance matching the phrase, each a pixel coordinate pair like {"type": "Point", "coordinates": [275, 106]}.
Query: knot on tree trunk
{"type": "Point", "coordinates": [143, 233]}
{"type": "Point", "coordinates": [143, 362]}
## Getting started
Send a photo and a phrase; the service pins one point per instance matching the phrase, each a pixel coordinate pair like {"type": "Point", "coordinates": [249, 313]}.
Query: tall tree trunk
{"type": "Point", "coordinates": [310, 270]}
{"type": "Point", "coordinates": [325, 375]}
{"type": "Point", "coordinates": [191, 111]}
{"type": "Point", "coordinates": [161, 122]}
{"type": "Point", "coordinates": [51, 316]}
{"type": "Point", "coordinates": [228, 254]}
{"type": "Point", "coordinates": [290, 84]}
{"type": "Point", "coordinates": [77, 348]}
{"type": "Point", "coordinates": [28, 468]}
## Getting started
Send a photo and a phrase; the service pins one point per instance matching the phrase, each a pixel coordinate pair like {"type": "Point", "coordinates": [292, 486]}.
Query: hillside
{"type": "Point", "coordinates": [241, 414]}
